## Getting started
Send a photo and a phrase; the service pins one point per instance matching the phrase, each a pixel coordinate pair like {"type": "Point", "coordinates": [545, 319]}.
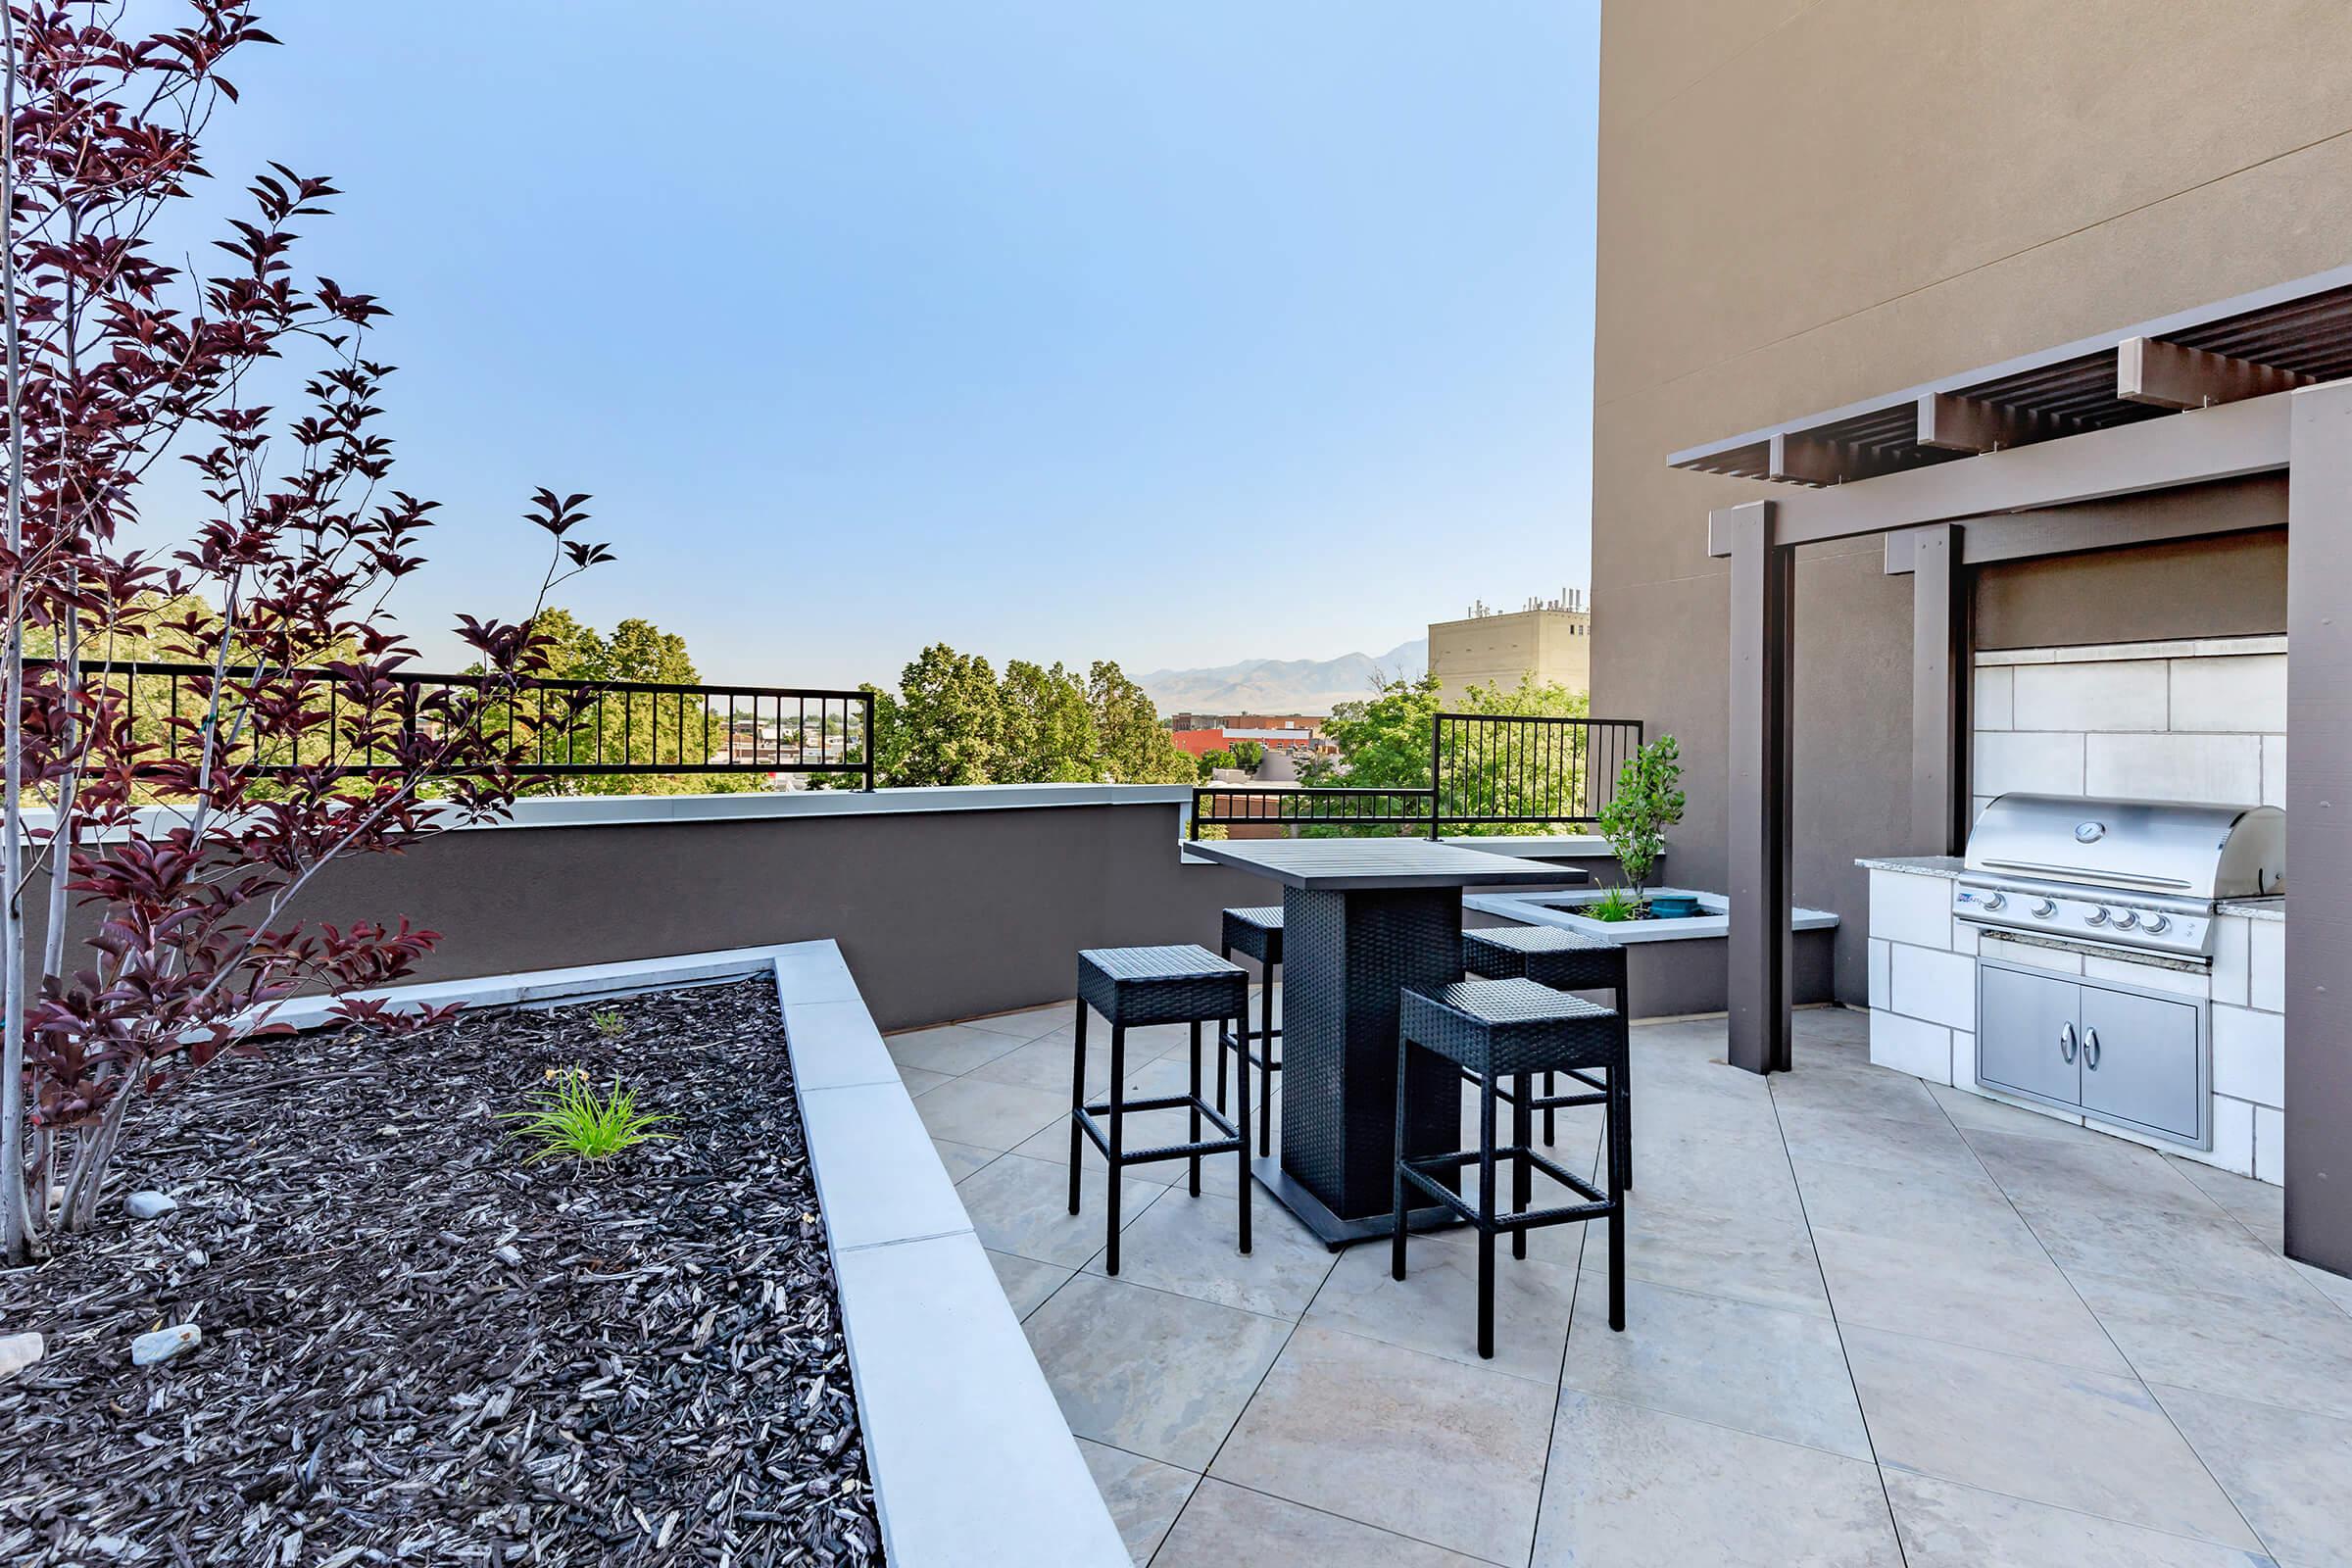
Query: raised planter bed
{"type": "Point", "coordinates": [418, 1347]}
{"type": "Point", "coordinates": [1672, 966]}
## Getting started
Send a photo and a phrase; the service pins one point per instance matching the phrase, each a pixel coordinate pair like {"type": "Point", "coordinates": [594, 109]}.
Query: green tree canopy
{"type": "Point", "coordinates": [1135, 746]}
{"type": "Point", "coordinates": [1384, 743]}
{"type": "Point", "coordinates": [950, 716]}
{"type": "Point", "coordinates": [642, 728]}
{"type": "Point", "coordinates": [952, 722]}
{"type": "Point", "coordinates": [1047, 729]}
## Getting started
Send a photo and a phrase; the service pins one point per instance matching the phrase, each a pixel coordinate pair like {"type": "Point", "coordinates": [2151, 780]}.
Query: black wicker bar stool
{"type": "Point", "coordinates": [1256, 933]}
{"type": "Point", "coordinates": [1131, 987]}
{"type": "Point", "coordinates": [1564, 960]}
{"type": "Point", "coordinates": [1497, 1029]}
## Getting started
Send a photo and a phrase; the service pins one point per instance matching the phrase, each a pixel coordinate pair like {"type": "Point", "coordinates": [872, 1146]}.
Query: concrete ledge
{"type": "Point", "coordinates": [972, 1460]}
{"type": "Point", "coordinates": [619, 810]}
{"type": "Point", "coordinates": [1714, 920]}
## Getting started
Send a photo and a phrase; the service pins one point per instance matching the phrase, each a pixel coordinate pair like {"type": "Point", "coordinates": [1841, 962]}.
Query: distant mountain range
{"type": "Point", "coordinates": [1282, 685]}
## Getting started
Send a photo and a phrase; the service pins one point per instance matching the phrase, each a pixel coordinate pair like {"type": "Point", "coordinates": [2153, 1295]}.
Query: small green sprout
{"type": "Point", "coordinates": [567, 1117]}
{"type": "Point", "coordinates": [1615, 904]}
{"type": "Point", "coordinates": [607, 1022]}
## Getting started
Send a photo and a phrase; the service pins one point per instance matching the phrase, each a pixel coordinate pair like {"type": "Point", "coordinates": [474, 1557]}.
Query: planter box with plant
{"type": "Point", "coordinates": [1646, 802]}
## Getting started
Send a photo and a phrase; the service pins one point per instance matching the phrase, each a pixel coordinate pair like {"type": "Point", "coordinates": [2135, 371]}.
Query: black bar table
{"type": "Point", "coordinates": [1363, 919]}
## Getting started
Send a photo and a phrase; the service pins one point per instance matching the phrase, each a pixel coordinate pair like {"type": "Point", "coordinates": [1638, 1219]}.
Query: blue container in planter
{"type": "Point", "coordinates": [1673, 905]}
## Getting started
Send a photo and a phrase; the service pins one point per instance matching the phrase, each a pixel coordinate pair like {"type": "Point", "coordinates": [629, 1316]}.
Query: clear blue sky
{"type": "Point", "coordinates": [1169, 333]}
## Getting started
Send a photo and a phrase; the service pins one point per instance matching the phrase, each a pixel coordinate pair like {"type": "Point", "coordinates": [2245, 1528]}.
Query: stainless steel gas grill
{"type": "Point", "coordinates": [2142, 876]}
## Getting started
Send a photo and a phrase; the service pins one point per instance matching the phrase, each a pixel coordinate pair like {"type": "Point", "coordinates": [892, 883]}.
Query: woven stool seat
{"type": "Point", "coordinates": [1256, 933]}
{"type": "Point", "coordinates": [1565, 961]}
{"type": "Point", "coordinates": [1160, 985]}
{"type": "Point", "coordinates": [1501, 1027]}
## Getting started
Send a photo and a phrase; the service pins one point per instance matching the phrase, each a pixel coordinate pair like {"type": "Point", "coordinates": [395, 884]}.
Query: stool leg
{"type": "Point", "coordinates": [1077, 1102]}
{"type": "Point", "coordinates": [1118, 1141]}
{"type": "Point", "coordinates": [1619, 1098]}
{"type": "Point", "coordinates": [1396, 1166]}
{"type": "Point", "coordinates": [1241, 1155]}
{"type": "Point", "coordinates": [1242, 1043]}
{"type": "Point", "coordinates": [1195, 1161]}
{"type": "Point", "coordinates": [1486, 1217]}
{"type": "Point", "coordinates": [1549, 1089]}
{"type": "Point", "coordinates": [1626, 1020]}
{"type": "Point", "coordinates": [1265, 1065]}
{"type": "Point", "coordinates": [1522, 1126]}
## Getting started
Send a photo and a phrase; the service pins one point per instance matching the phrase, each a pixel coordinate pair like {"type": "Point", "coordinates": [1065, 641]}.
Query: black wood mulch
{"type": "Point", "coordinates": [418, 1349]}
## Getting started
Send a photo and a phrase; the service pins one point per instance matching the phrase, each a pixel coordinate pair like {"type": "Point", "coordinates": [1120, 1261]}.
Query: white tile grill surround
{"type": "Point", "coordinates": [2201, 720]}
{"type": "Point", "coordinates": [1923, 968]}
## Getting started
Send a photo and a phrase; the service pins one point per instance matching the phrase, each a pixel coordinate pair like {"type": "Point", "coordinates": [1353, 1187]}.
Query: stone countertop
{"type": "Point", "coordinates": [2255, 909]}
{"type": "Point", "coordinates": [1946, 867]}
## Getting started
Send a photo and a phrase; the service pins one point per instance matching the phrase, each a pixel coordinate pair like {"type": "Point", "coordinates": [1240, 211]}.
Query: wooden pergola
{"type": "Point", "coordinates": [2232, 416]}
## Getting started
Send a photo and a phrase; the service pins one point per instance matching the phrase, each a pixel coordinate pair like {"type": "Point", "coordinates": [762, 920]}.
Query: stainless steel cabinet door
{"type": "Point", "coordinates": [2026, 1034]}
{"type": "Point", "coordinates": [2139, 1060]}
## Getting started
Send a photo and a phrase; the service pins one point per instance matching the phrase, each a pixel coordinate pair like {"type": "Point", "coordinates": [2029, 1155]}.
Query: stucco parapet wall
{"type": "Point", "coordinates": [620, 811]}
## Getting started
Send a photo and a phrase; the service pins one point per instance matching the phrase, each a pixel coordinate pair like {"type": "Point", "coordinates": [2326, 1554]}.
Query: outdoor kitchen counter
{"type": "Point", "coordinates": [1923, 1001]}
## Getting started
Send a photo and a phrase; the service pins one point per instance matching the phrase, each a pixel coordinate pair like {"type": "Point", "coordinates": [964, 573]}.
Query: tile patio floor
{"type": "Point", "coordinates": [1869, 1322]}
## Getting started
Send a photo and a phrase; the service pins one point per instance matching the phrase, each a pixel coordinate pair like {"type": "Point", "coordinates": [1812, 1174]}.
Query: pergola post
{"type": "Point", "coordinates": [1763, 650]}
{"type": "Point", "coordinates": [2319, 816]}
{"type": "Point", "coordinates": [1940, 691]}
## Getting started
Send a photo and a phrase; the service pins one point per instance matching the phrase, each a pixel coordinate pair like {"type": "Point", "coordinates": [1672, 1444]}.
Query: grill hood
{"type": "Point", "coordinates": [2161, 848]}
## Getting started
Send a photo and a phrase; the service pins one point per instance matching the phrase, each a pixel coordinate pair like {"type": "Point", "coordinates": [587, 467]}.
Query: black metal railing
{"type": "Point", "coordinates": [561, 728]}
{"type": "Point", "coordinates": [1486, 770]}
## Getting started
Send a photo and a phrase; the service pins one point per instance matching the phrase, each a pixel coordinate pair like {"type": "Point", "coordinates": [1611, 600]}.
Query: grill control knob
{"type": "Point", "coordinates": [2045, 909]}
{"type": "Point", "coordinates": [2125, 919]}
{"type": "Point", "coordinates": [1993, 901]}
{"type": "Point", "coordinates": [2158, 925]}
{"type": "Point", "coordinates": [2097, 915]}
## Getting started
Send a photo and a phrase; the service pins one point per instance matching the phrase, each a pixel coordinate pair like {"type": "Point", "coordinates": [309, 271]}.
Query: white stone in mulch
{"type": "Point", "coordinates": [19, 1351]}
{"type": "Point", "coordinates": [150, 1206]}
{"type": "Point", "coordinates": [165, 1344]}
{"type": "Point", "coordinates": [508, 1256]}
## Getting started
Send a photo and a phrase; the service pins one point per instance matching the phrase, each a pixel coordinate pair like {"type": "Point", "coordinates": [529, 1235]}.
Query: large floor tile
{"type": "Point", "coordinates": [1162, 1375]}
{"type": "Point", "coordinates": [2094, 1175]}
{"type": "Point", "coordinates": [1027, 1282]}
{"type": "Point", "coordinates": [1448, 1453]}
{"type": "Point", "coordinates": [2034, 1430]}
{"type": "Point", "coordinates": [1632, 1488]}
{"type": "Point", "coordinates": [1225, 1526]}
{"type": "Point", "coordinates": [954, 1049]}
{"type": "Point", "coordinates": [2260, 1206]}
{"type": "Point", "coordinates": [1975, 1113]}
{"type": "Point", "coordinates": [1750, 1256]}
{"type": "Point", "coordinates": [962, 1160]}
{"type": "Point", "coordinates": [989, 1116]}
{"type": "Point", "coordinates": [2289, 1471]}
{"type": "Point", "coordinates": [2333, 1286]}
{"type": "Point", "coordinates": [1905, 1145]}
{"type": "Point", "coordinates": [1191, 1245]}
{"type": "Point", "coordinates": [1858, 1088]}
{"type": "Point", "coordinates": [1761, 1369]}
{"type": "Point", "coordinates": [2291, 1350]}
{"type": "Point", "coordinates": [1946, 1207]}
{"type": "Point", "coordinates": [1144, 1496]}
{"type": "Point", "coordinates": [920, 1079]}
{"type": "Point", "coordinates": [1046, 1064]}
{"type": "Point", "coordinates": [1026, 1024]}
{"type": "Point", "coordinates": [1023, 1207]}
{"type": "Point", "coordinates": [1994, 1295]}
{"type": "Point", "coordinates": [1434, 1308]}
{"type": "Point", "coordinates": [1947, 1526]}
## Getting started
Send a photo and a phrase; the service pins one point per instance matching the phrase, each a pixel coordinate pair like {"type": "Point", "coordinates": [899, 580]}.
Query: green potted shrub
{"type": "Point", "coordinates": [1647, 803]}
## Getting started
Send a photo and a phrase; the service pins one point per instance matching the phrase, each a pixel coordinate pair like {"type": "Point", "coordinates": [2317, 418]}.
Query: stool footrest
{"type": "Point", "coordinates": [1153, 1154]}
{"type": "Point", "coordinates": [1505, 1154]}
{"type": "Point", "coordinates": [1596, 1207]}
{"type": "Point", "coordinates": [1599, 1097]}
{"type": "Point", "coordinates": [1225, 1043]}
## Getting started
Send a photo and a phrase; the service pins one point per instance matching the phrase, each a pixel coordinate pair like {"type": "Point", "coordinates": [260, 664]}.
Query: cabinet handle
{"type": "Point", "coordinates": [2091, 1049]}
{"type": "Point", "coordinates": [2066, 1043]}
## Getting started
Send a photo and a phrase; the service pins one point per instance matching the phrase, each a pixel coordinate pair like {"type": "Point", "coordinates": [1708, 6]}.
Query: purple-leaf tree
{"type": "Point", "coordinates": [157, 842]}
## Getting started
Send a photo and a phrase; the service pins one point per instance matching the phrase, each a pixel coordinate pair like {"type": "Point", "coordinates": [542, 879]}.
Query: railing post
{"type": "Point", "coordinates": [1436, 732]}
{"type": "Point", "coordinates": [868, 703]}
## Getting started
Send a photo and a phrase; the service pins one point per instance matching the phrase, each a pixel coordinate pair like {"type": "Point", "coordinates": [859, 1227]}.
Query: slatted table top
{"type": "Point", "coordinates": [1322, 865]}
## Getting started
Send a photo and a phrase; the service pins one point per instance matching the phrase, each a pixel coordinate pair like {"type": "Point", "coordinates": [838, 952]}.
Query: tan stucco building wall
{"type": "Point", "coordinates": [1806, 203]}
{"type": "Point", "coordinates": [1501, 649]}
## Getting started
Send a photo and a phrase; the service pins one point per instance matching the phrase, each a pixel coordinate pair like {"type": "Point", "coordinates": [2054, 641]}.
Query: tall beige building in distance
{"type": "Point", "coordinates": [1550, 639]}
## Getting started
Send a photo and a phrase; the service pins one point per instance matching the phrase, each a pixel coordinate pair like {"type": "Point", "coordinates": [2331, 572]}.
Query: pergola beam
{"type": "Point", "coordinates": [2222, 443]}
{"type": "Point", "coordinates": [2165, 376]}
